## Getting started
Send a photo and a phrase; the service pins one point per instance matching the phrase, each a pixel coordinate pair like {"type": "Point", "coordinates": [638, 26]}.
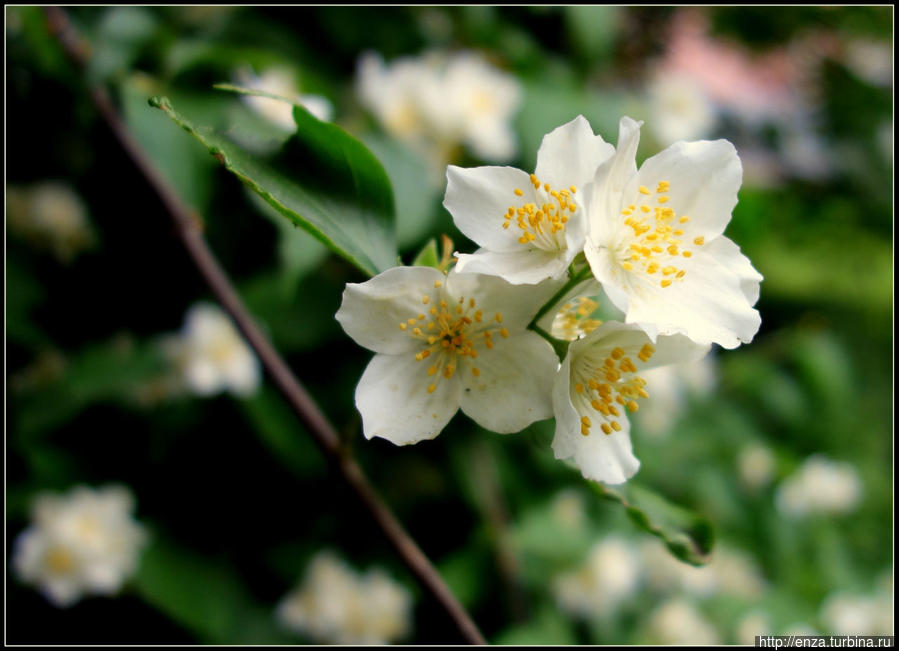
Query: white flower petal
{"type": "Point", "coordinates": [478, 199]}
{"type": "Point", "coordinates": [242, 372]}
{"type": "Point", "coordinates": [728, 253]}
{"type": "Point", "coordinates": [371, 312]}
{"type": "Point", "coordinates": [515, 304]}
{"type": "Point", "coordinates": [704, 178]}
{"type": "Point", "coordinates": [711, 308]}
{"type": "Point", "coordinates": [570, 154]}
{"type": "Point", "coordinates": [202, 376]}
{"type": "Point", "coordinates": [610, 181]}
{"type": "Point", "coordinates": [393, 398]}
{"type": "Point", "coordinates": [521, 267]}
{"type": "Point", "coordinates": [514, 386]}
{"type": "Point", "coordinates": [600, 457]}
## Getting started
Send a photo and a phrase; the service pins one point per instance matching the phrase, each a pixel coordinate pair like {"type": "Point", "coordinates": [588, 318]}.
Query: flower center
{"type": "Point", "coordinates": [610, 388]}
{"type": "Point", "coordinates": [573, 320]}
{"type": "Point", "coordinates": [539, 225]}
{"type": "Point", "coordinates": [450, 332]}
{"type": "Point", "coordinates": [657, 245]}
{"type": "Point", "coordinates": [59, 561]}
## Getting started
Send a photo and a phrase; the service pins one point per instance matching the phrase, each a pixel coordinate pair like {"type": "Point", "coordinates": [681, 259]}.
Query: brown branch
{"type": "Point", "coordinates": [280, 374]}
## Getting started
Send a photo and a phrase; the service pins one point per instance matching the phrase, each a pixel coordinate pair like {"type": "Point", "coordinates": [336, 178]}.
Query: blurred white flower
{"type": "Point", "coordinates": [755, 466]}
{"type": "Point", "coordinates": [670, 386]}
{"type": "Point", "coordinates": [82, 543]}
{"type": "Point", "coordinates": [52, 216]}
{"type": "Point", "coordinates": [336, 605]}
{"type": "Point", "coordinates": [211, 355]}
{"type": "Point", "coordinates": [843, 613]}
{"type": "Point", "coordinates": [820, 486]}
{"type": "Point", "coordinates": [678, 622]}
{"type": "Point", "coordinates": [438, 101]}
{"type": "Point", "coordinates": [609, 577]}
{"type": "Point", "coordinates": [751, 625]}
{"type": "Point", "coordinates": [679, 108]}
{"type": "Point", "coordinates": [281, 82]}
{"type": "Point", "coordinates": [729, 572]}
{"type": "Point", "coordinates": [568, 509]}
{"type": "Point", "coordinates": [871, 60]}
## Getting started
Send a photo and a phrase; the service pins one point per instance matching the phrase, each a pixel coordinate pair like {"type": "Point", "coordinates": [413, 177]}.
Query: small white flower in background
{"type": "Point", "coordinates": [445, 342]}
{"type": "Point", "coordinates": [212, 356]}
{"type": "Point", "coordinates": [52, 216]}
{"type": "Point", "coordinates": [755, 465]}
{"type": "Point", "coordinates": [679, 108]}
{"type": "Point", "coordinates": [336, 605]}
{"type": "Point", "coordinates": [609, 577]}
{"type": "Point", "coordinates": [83, 543]}
{"type": "Point", "coordinates": [678, 622]}
{"type": "Point", "coordinates": [569, 510]}
{"type": "Point", "coordinates": [437, 102]}
{"type": "Point", "coordinates": [597, 385]}
{"type": "Point", "coordinates": [820, 486]}
{"type": "Point", "coordinates": [281, 82]}
{"type": "Point", "coordinates": [670, 386]}
{"type": "Point", "coordinates": [751, 625]}
{"type": "Point", "coordinates": [529, 226]}
{"type": "Point", "coordinates": [844, 613]}
{"type": "Point", "coordinates": [655, 240]}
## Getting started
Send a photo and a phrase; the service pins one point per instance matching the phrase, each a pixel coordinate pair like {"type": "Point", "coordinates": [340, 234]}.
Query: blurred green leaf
{"type": "Point", "coordinates": [121, 34]}
{"type": "Point", "coordinates": [687, 535]}
{"type": "Point", "coordinates": [593, 29]}
{"type": "Point", "coordinates": [204, 595]}
{"type": "Point", "coordinates": [549, 626]}
{"type": "Point", "coordinates": [428, 256]}
{"type": "Point", "coordinates": [323, 180]}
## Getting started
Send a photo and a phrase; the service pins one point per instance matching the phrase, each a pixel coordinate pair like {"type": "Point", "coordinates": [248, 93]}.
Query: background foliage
{"type": "Point", "coordinates": [236, 495]}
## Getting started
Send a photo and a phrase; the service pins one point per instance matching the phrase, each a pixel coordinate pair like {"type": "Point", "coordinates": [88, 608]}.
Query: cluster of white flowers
{"type": "Point", "coordinates": [438, 101]}
{"type": "Point", "coordinates": [83, 543]}
{"type": "Point", "coordinates": [653, 240]}
{"type": "Point", "coordinates": [335, 605]}
{"type": "Point", "coordinates": [281, 82]}
{"type": "Point", "coordinates": [210, 356]}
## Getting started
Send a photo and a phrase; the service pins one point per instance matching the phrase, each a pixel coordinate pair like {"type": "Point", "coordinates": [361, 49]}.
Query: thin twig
{"type": "Point", "coordinates": [302, 404]}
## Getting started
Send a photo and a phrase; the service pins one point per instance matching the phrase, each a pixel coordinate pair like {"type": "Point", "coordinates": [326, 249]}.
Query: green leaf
{"type": "Point", "coordinates": [687, 535]}
{"type": "Point", "coordinates": [322, 180]}
{"type": "Point", "coordinates": [428, 256]}
{"type": "Point", "coordinates": [204, 595]}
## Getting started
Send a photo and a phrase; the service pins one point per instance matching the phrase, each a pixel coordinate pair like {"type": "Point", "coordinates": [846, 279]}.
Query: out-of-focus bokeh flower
{"type": "Point", "coordinates": [609, 577]}
{"type": "Point", "coordinates": [669, 388]}
{"type": "Point", "coordinates": [439, 101]}
{"type": "Point", "coordinates": [82, 543]}
{"type": "Point", "coordinates": [750, 626]}
{"type": "Point", "coordinates": [211, 356]}
{"type": "Point", "coordinates": [820, 486]}
{"type": "Point", "coordinates": [281, 82]}
{"type": "Point", "coordinates": [756, 465]}
{"type": "Point", "coordinates": [336, 605]}
{"type": "Point", "coordinates": [678, 622]}
{"type": "Point", "coordinates": [845, 613]}
{"type": "Point", "coordinates": [679, 109]}
{"type": "Point", "coordinates": [51, 216]}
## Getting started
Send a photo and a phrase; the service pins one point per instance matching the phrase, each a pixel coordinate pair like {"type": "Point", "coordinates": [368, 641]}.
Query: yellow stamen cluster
{"type": "Point", "coordinates": [572, 320]}
{"type": "Point", "coordinates": [544, 221]}
{"type": "Point", "coordinates": [450, 332]}
{"type": "Point", "coordinates": [657, 244]}
{"type": "Point", "coordinates": [612, 387]}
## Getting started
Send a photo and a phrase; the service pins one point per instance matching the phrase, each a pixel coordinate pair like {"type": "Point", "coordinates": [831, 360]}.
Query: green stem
{"type": "Point", "coordinates": [561, 347]}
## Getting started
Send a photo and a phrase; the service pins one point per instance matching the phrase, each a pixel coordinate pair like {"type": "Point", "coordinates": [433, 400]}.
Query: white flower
{"type": "Point", "coordinates": [678, 622]}
{"type": "Point", "coordinates": [529, 227]}
{"type": "Point", "coordinates": [610, 576]}
{"type": "Point", "coordinates": [752, 625]}
{"type": "Point", "coordinates": [279, 81]}
{"type": "Point", "coordinates": [844, 613]}
{"type": "Point", "coordinates": [670, 387]}
{"type": "Point", "coordinates": [52, 216]}
{"type": "Point", "coordinates": [212, 356]}
{"type": "Point", "coordinates": [820, 486]}
{"type": "Point", "coordinates": [443, 342]}
{"type": "Point", "coordinates": [437, 102]}
{"type": "Point", "coordinates": [596, 385]}
{"type": "Point", "coordinates": [335, 605]}
{"type": "Point", "coordinates": [655, 241]}
{"type": "Point", "coordinates": [755, 465]}
{"type": "Point", "coordinates": [680, 108]}
{"type": "Point", "coordinates": [82, 543]}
